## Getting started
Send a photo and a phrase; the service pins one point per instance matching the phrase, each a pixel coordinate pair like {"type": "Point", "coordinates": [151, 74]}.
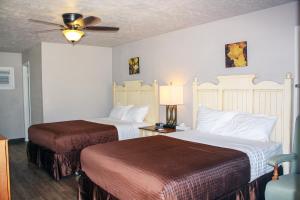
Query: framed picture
{"type": "Point", "coordinates": [134, 65]}
{"type": "Point", "coordinates": [236, 54]}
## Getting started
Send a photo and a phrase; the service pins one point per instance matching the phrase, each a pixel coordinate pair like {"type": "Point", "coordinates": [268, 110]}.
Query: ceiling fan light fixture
{"type": "Point", "coordinates": [73, 35]}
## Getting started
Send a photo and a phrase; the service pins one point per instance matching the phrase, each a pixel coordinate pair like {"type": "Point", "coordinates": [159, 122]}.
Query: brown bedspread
{"type": "Point", "coordinates": [161, 167]}
{"type": "Point", "coordinates": [73, 135]}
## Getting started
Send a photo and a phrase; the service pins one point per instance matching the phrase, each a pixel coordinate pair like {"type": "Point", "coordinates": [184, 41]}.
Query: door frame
{"type": "Point", "coordinates": [26, 97]}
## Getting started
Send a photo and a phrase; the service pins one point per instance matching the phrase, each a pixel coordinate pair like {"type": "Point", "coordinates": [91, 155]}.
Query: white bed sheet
{"type": "Point", "coordinates": [126, 129]}
{"type": "Point", "coordinates": [258, 152]}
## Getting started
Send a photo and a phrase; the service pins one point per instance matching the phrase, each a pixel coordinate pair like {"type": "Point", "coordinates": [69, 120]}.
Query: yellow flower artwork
{"type": "Point", "coordinates": [134, 65]}
{"type": "Point", "coordinates": [236, 54]}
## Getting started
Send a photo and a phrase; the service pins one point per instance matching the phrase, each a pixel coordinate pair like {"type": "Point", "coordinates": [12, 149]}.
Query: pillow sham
{"type": "Point", "coordinates": [209, 119]}
{"type": "Point", "coordinates": [118, 112]}
{"type": "Point", "coordinates": [248, 126]}
{"type": "Point", "coordinates": [136, 114]}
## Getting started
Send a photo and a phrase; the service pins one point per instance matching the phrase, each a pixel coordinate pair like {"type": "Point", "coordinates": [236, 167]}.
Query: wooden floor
{"type": "Point", "coordinates": [30, 182]}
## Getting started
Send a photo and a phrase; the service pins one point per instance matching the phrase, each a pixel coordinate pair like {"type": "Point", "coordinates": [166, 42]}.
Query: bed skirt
{"type": "Point", "coordinates": [57, 165]}
{"type": "Point", "coordinates": [87, 190]}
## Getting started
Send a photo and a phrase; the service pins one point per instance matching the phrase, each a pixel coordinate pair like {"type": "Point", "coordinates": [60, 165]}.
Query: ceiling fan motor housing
{"type": "Point", "coordinates": [70, 17]}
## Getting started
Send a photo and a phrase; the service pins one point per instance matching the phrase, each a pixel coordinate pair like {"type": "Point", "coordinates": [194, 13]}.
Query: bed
{"type": "Point", "coordinates": [56, 146]}
{"type": "Point", "coordinates": [195, 164]}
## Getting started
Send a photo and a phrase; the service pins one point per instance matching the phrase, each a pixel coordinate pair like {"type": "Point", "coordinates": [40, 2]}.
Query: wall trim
{"type": "Point", "coordinates": [16, 141]}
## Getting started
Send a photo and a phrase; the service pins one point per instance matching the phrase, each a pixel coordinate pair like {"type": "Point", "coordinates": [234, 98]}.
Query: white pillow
{"type": "Point", "coordinates": [118, 112]}
{"type": "Point", "coordinates": [209, 119]}
{"type": "Point", "coordinates": [248, 126]}
{"type": "Point", "coordinates": [136, 114]}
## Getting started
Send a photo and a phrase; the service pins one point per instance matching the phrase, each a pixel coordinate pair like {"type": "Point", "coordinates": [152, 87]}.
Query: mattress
{"type": "Point", "coordinates": [258, 152]}
{"type": "Point", "coordinates": [72, 135]}
{"type": "Point", "coordinates": [126, 129]}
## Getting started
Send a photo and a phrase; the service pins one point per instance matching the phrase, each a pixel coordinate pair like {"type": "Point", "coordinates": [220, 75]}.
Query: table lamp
{"type": "Point", "coordinates": [171, 96]}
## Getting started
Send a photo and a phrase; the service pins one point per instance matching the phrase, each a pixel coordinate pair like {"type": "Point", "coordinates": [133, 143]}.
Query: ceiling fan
{"type": "Point", "coordinates": [75, 25]}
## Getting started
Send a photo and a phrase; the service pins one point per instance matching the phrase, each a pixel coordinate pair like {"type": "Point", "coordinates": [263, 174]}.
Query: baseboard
{"type": "Point", "coordinates": [16, 141]}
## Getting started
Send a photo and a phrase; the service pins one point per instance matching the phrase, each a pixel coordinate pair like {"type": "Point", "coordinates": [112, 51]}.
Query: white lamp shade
{"type": "Point", "coordinates": [171, 95]}
{"type": "Point", "coordinates": [73, 35]}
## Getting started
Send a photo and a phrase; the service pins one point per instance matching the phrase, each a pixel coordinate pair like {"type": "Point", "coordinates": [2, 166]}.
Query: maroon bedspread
{"type": "Point", "coordinates": [161, 167]}
{"type": "Point", "coordinates": [73, 135]}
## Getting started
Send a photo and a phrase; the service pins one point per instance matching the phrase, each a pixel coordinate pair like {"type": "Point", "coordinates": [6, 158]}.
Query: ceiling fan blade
{"type": "Point", "coordinates": [46, 23]}
{"type": "Point", "coordinates": [76, 23]}
{"type": "Point", "coordinates": [91, 20]}
{"type": "Point", "coordinates": [49, 30]}
{"type": "Point", "coordinates": [101, 28]}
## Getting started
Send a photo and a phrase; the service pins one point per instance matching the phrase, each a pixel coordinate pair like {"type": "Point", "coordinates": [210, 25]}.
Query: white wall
{"type": "Point", "coordinates": [34, 56]}
{"type": "Point", "coordinates": [11, 101]}
{"type": "Point", "coordinates": [77, 81]}
{"type": "Point", "coordinates": [182, 55]}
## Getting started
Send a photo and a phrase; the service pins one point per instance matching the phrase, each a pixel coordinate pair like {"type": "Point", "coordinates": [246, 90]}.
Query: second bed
{"type": "Point", "coordinates": [56, 146]}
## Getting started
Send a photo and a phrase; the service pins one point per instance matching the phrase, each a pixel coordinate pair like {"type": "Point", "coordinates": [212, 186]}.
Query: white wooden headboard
{"type": "Point", "coordinates": [136, 93]}
{"type": "Point", "coordinates": [239, 93]}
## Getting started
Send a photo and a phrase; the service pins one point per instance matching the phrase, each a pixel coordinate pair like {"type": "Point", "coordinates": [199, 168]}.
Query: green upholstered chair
{"type": "Point", "coordinates": [286, 187]}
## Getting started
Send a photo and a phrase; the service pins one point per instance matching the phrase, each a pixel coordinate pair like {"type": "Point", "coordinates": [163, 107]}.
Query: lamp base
{"type": "Point", "coordinates": [171, 116]}
{"type": "Point", "coordinates": [169, 126]}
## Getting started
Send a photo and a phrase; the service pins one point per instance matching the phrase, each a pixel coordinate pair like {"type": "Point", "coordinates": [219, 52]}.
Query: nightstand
{"type": "Point", "coordinates": [150, 131]}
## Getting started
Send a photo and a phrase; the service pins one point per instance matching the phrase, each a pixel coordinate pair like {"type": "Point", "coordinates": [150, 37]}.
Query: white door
{"type": "Point", "coordinates": [26, 94]}
{"type": "Point", "coordinates": [297, 72]}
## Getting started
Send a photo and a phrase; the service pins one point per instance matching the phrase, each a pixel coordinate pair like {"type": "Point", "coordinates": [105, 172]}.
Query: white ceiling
{"type": "Point", "coordinates": [137, 19]}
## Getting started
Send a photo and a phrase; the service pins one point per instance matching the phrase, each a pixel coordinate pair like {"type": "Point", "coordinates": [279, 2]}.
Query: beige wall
{"type": "Point", "coordinates": [182, 55]}
{"type": "Point", "coordinates": [11, 101]}
{"type": "Point", "coordinates": [77, 81]}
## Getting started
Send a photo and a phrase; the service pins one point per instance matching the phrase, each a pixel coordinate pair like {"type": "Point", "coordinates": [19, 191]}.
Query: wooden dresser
{"type": "Point", "coordinates": [4, 170]}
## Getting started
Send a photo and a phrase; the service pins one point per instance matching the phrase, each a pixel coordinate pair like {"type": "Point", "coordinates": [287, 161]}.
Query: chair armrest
{"type": "Point", "coordinates": [276, 160]}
